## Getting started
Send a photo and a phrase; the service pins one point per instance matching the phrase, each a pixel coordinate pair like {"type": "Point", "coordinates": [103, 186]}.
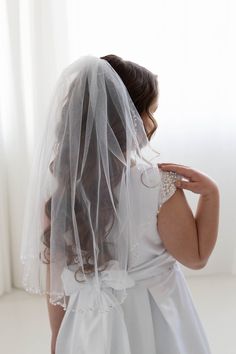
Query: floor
{"type": "Point", "coordinates": [24, 326]}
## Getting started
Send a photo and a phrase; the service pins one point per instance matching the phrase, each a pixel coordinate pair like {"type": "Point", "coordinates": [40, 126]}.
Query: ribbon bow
{"type": "Point", "coordinates": [97, 293]}
{"type": "Point", "coordinates": [97, 324]}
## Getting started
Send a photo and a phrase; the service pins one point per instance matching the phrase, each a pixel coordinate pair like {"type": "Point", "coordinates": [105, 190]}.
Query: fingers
{"type": "Point", "coordinates": [191, 186]}
{"type": "Point", "coordinates": [180, 169]}
{"type": "Point", "coordinates": [170, 163]}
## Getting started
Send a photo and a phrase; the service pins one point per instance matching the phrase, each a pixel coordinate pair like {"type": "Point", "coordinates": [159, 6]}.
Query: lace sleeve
{"type": "Point", "coordinates": [168, 187]}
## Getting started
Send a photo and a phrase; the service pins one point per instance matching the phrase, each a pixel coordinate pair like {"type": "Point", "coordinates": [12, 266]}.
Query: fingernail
{"type": "Point", "coordinates": [178, 183]}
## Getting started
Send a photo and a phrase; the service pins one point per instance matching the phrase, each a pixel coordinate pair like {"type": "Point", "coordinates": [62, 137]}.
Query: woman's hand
{"type": "Point", "coordinates": [197, 182]}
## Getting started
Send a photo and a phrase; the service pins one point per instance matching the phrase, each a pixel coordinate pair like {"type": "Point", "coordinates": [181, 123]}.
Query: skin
{"type": "Point", "coordinates": [55, 312]}
{"type": "Point", "coordinates": [190, 239]}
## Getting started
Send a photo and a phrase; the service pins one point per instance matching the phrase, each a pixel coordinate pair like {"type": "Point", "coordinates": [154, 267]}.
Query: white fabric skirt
{"type": "Point", "coordinates": [158, 316]}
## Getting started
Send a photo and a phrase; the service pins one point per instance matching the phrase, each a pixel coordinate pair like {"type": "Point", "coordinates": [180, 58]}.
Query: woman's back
{"type": "Point", "coordinates": [158, 315]}
{"type": "Point", "coordinates": [149, 245]}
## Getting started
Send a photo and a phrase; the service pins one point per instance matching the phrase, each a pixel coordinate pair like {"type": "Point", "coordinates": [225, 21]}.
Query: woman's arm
{"type": "Point", "coordinates": [207, 221]}
{"type": "Point", "coordinates": [190, 239]}
{"type": "Point", "coordinates": [55, 312]}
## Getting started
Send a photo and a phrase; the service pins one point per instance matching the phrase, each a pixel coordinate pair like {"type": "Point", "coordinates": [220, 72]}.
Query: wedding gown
{"type": "Point", "coordinates": [158, 315]}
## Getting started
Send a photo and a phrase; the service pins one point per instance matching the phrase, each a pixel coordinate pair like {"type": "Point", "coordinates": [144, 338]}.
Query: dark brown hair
{"type": "Point", "coordinates": [143, 88]}
{"type": "Point", "coordinates": [141, 84]}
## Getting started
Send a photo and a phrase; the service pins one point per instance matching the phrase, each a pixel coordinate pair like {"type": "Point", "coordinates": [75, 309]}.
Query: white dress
{"type": "Point", "coordinates": [158, 315]}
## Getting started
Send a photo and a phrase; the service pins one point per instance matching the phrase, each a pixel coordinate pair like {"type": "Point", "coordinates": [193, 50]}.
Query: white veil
{"type": "Point", "coordinates": [81, 180]}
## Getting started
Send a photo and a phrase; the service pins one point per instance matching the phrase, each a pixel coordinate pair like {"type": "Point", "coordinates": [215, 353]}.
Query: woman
{"type": "Point", "coordinates": [115, 224]}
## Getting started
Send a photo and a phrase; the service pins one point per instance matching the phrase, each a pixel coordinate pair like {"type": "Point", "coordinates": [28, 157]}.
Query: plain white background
{"type": "Point", "coordinates": [189, 44]}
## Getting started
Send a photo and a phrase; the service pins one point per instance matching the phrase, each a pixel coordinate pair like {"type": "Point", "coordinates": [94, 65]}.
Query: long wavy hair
{"type": "Point", "coordinates": [142, 86]}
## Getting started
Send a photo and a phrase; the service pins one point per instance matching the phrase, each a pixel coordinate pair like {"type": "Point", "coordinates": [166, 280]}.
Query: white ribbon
{"type": "Point", "coordinates": [94, 320]}
{"type": "Point", "coordinates": [93, 290]}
